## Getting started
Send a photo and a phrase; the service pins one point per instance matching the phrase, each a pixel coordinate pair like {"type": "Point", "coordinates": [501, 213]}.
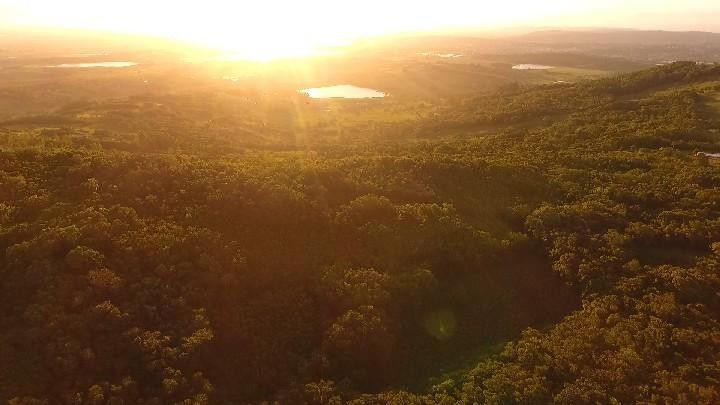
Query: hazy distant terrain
{"type": "Point", "coordinates": [406, 67]}
{"type": "Point", "coordinates": [644, 46]}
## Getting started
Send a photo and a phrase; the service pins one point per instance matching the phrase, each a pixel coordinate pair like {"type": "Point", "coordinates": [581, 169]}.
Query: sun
{"type": "Point", "coordinates": [265, 29]}
{"type": "Point", "coordinates": [270, 46]}
{"type": "Point", "coordinates": [256, 30]}
{"type": "Point", "coordinates": [270, 29]}
{"type": "Point", "coordinates": [264, 37]}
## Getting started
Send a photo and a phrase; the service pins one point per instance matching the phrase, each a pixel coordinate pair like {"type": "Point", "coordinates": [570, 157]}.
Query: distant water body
{"type": "Point", "coordinates": [342, 91]}
{"type": "Point", "coordinates": [530, 66]}
{"type": "Point", "coordinates": [96, 65]}
{"type": "Point", "coordinates": [441, 55]}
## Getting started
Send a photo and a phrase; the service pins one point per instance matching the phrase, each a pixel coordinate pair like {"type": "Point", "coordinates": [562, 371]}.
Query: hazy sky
{"type": "Point", "coordinates": [224, 22]}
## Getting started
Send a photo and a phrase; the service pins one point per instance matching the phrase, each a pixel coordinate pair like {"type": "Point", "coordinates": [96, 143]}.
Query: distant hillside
{"type": "Point", "coordinates": [635, 45]}
{"type": "Point", "coordinates": [625, 37]}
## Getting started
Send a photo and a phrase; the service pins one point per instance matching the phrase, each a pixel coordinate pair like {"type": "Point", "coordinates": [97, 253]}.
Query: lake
{"type": "Point", "coordinates": [530, 66]}
{"type": "Point", "coordinates": [95, 65]}
{"type": "Point", "coordinates": [342, 91]}
{"type": "Point", "coordinates": [441, 55]}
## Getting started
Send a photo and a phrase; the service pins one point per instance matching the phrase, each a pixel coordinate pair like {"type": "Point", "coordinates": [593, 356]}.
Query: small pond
{"type": "Point", "coordinates": [530, 66]}
{"type": "Point", "coordinates": [342, 91]}
{"type": "Point", "coordinates": [95, 65]}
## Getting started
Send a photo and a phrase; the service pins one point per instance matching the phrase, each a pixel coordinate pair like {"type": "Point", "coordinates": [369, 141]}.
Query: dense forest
{"type": "Point", "coordinates": [541, 244]}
